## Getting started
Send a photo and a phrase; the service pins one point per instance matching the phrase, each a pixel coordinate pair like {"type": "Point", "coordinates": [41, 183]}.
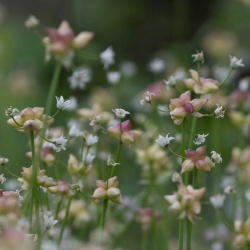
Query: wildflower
{"type": "Point", "coordinates": [49, 220]}
{"type": "Point", "coordinates": [10, 112]}
{"type": "Point", "coordinates": [243, 230]}
{"type": "Point", "coordinates": [73, 104]}
{"type": "Point", "coordinates": [198, 159]}
{"type": "Point", "coordinates": [200, 85]}
{"type": "Point", "coordinates": [91, 140]}
{"type": "Point", "coordinates": [107, 190]}
{"type": "Point", "coordinates": [198, 57]}
{"type": "Point", "coordinates": [217, 200]}
{"type": "Point", "coordinates": [2, 179]}
{"type": "Point", "coordinates": [183, 105]}
{"type": "Point", "coordinates": [219, 112]}
{"type": "Point", "coordinates": [3, 160]}
{"type": "Point", "coordinates": [94, 120]}
{"type": "Point", "coordinates": [113, 77]}
{"type": "Point", "coordinates": [31, 22]}
{"type": "Point", "coordinates": [74, 167]}
{"type": "Point", "coordinates": [112, 163]}
{"type": "Point", "coordinates": [107, 57]}
{"type": "Point", "coordinates": [60, 143]}
{"type": "Point", "coordinates": [243, 85]}
{"type": "Point", "coordinates": [235, 62]}
{"type": "Point", "coordinates": [89, 158]}
{"type": "Point", "coordinates": [164, 141]}
{"type": "Point", "coordinates": [199, 139]}
{"type": "Point", "coordinates": [128, 68]}
{"type": "Point", "coordinates": [120, 113]}
{"type": "Point", "coordinates": [171, 82]}
{"type": "Point", "coordinates": [229, 190]}
{"type": "Point", "coordinates": [80, 78]}
{"type": "Point", "coordinates": [157, 65]}
{"type": "Point", "coordinates": [62, 188]}
{"type": "Point", "coordinates": [61, 104]}
{"type": "Point", "coordinates": [146, 98]}
{"type": "Point", "coordinates": [176, 177]}
{"type": "Point", "coordinates": [186, 201]}
{"type": "Point", "coordinates": [216, 157]}
{"type": "Point", "coordinates": [74, 131]}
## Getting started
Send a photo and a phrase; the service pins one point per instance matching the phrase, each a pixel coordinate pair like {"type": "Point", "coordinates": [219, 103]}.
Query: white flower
{"type": "Point", "coordinates": [199, 139]}
{"type": "Point", "coordinates": [164, 141]}
{"type": "Point", "coordinates": [157, 65]}
{"type": "Point", "coordinates": [2, 179]}
{"type": "Point", "coordinates": [60, 143]}
{"type": "Point", "coordinates": [73, 104]}
{"type": "Point", "coordinates": [219, 112]}
{"type": "Point", "coordinates": [171, 82]}
{"type": "Point", "coordinates": [80, 78]}
{"type": "Point", "coordinates": [128, 68]}
{"type": "Point", "coordinates": [229, 190]}
{"type": "Point", "coordinates": [244, 85]}
{"type": "Point", "coordinates": [31, 22]}
{"type": "Point", "coordinates": [216, 157]}
{"type": "Point", "coordinates": [10, 112]}
{"type": "Point", "coordinates": [217, 200]}
{"type": "Point", "coordinates": [91, 140]}
{"type": "Point", "coordinates": [107, 57]}
{"type": "Point", "coordinates": [235, 62]}
{"type": "Point", "coordinates": [95, 120]}
{"type": "Point", "coordinates": [20, 198]}
{"type": "Point", "coordinates": [198, 57]}
{"type": "Point", "coordinates": [146, 98]}
{"type": "Point", "coordinates": [75, 131]}
{"type": "Point", "coordinates": [176, 177]}
{"type": "Point", "coordinates": [49, 220]}
{"type": "Point", "coordinates": [112, 163]}
{"type": "Point", "coordinates": [89, 158]}
{"type": "Point", "coordinates": [248, 195]}
{"type": "Point", "coordinates": [3, 160]}
{"type": "Point", "coordinates": [113, 77]}
{"type": "Point", "coordinates": [61, 104]}
{"type": "Point", "coordinates": [120, 113]}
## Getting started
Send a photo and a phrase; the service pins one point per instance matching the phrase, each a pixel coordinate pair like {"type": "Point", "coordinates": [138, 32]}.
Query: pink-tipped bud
{"type": "Point", "coordinates": [30, 125]}
{"type": "Point", "coordinates": [187, 166]}
{"type": "Point", "coordinates": [126, 126]}
{"type": "Point", "coordinates": [100, 194]}
{"type": "Point", "coordinates": [114, 132]}
{"type": "Point", "coordinates": [189, 108]}
{"type": "Point", "coordinates": [190, 153]}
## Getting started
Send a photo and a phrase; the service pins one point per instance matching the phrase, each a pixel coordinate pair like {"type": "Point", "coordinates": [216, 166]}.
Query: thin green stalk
{"type": "Point", "coordinates": [16, 176]}
{"type": "Point", "coordinates": [189, 232]}
{"type": "Point", "coordinates": [116, 159]}
{"type": "Point", "coordinates": [64, 221]}
{"type": "Point", "coordinates": [229, 74]}
{"type": "Point", "coordinates": [16, 122]}
{"type": "Point", "coordinates": [179, 156]}
{"type": "Point", "coordinates": [58, 207]}
{"type": "Point", "coordinates": [104, 210]}
{"type": "Point", "coordinates": [47, 200]}
{"type": "Point", "coordinates": [165, 111]}
{"type": "Point", "coordinates": [181, 233]}
{"type": "Point", "coordinates": [225, 220]}
{"type": "Point", "coordinates": [144, 241]}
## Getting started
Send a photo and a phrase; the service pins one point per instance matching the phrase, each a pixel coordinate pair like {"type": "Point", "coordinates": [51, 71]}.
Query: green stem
{"type": "Point", "coordinates": [88, 197]}
{"type": "Point", "coordinates": [116, 159]}
{"type": "Point", "coordinates": [16, 122]}
{"type": "Point", "coordinates": [64, 221]}
{"type": "Point", "coordinates": [175, 153]}
{"type": "Point", "coordinates": [181, 234]}
{"type": "Point", "coordinates": [11, 172]}
{"type": "Point", "coordinates": [166, 111]}
{"type": "Point", "coordinates": [104, 210]}
{"type": "Point", "coordinates": [229, 74]}
{"type": "Point", "coordinates": [58, 207]}
{"type": "Point", "coordinates": [189, 232]}
{"type": "Point", "coordinates": [144, 241]}
{"type": "Point", "coordinates": [198, 71]}
{"type": "Point", "coordinates": [57, 112]}
{"type": "Point", "coordinates": [225, 220]}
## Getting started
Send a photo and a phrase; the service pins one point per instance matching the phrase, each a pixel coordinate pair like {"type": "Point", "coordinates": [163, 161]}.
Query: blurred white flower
{"type": "Point", "coordinates": [61, 104]}
{"type": "Point", "coordinates": [198, 57]}
{"type": "Point", "coordinates": [80, 78]}
{"type": "Point", "coordinates": [2, 179]}
{"type": "Point", "coordinates": [73, 104]}
{"type": "Point", "coordinates": [107, 57]}
{"type": "Point", "coordinates": [89, 158]}
{"type": "Point", "coordinates": [229, 190]}
{"type": "Point", "coordinates": [111, 163]}
{"type": "Point", "coordinates": [60, 143]}
{"type": "Point", "coordinates": [243, 85]}
{"type": "Point", "coordinates": [91, 140]}
{"type": "Point", "coordinates": [49, 220]}
{"type": "Point", "coordinates": [157, 65]}
{"type": "Point", "coordinates": [176, 177]}
{"type": "Point", "coordinates": [3, 160]}
{"type": "Point", "coordinates": [128, 68]}
{"type": "Point", "coordinates": [219, 112]}
{"type": "Point", "coordinates": [146, 98]}
{"type": "Point", "coordinates": [120, 113]}
{"type": "Point", "coordinates": [171, 82]}
{"type": "Point", "coordinates": [75, 131]}
{"type": "Point", "coordinates": [216, 157]}
{"type": "Point", "coordinates": [95, 120]}
{"type": "Point", "coordinates": [199, 139]}
{"type": "Point", "coordinates": [164, 141]}
{"type": "Point", "coordinates": [235, 62]}
{"type": "Point", "coordinates": [113, 77]}
{"type": "Point", "coordinates": [31, 22]}
{"type": "Point", "coordinates": [217, 200]}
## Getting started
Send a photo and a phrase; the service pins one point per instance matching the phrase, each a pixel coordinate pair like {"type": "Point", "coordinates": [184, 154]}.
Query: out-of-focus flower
{"type": "Point", "coordinates": [235, 62]}
{"type": "Point", "coordinates": [198, 57]}
{"type": "Point", "coordinates": [75, 131]}
{"type": "Point", "coordinates": [73, 104]}
{"type": "Point", "coordinates": [128, 68]}
{"type": "Point", "coordinates": [242, 230]}
{"type": "Point", "coordinates": [182, 106]}
{"type": "Point", "coordinates": [217, 200]}
{"type": "Point", "coordinates": [157, 65]}
{"type": "Point", "coordinates": [186, 201]}
{"type": "Point", "coordinates": [10, 112]}
{"type": "Point", "coordinates": [31, 22]}
{"type": "Point", "coordinates": [243, 85]}
{"type": "Point", "coordinates": [95, 120]}
{"type": "Point", "coordinates": [200, 85]}
{"type": "Point", "coordinates": [62, 188]}
{"type": "Point", "coordinates": [199, 139]}
{"type": "Point", "coordinates": [107, 57]}
{"type": "Point", "coordinates": [198, 159]}
{"type": "Point", "coordinates": [219, 112]}
{"type": "Point", "coordinates": [49, 220]}
{"type": "Point", "coordinates": [107, 190]}
{"type": "Point", "coordinates": [120, 113]}
{"type": "Point", "coordinates": [2, 179]}
{"type": "Point", "coordinates": [112, 163]}
{"type": "Point", "coordinates": [171, 82]}
{"type": "Point", "coordinates": [229, 190]}
{"type": "Point", "coordinates": [3, 160]}
{"type": "Point", "coordinates": [216, 157]}
{"type": "Point", "coordinates": [113, 77]}
{"type": "Point", "coordinates": [79, 168]}
{"type": "Point", "coordinates": [164, 141]}
{"type": "Point", "coordinates": [91, 140]}
{"type": "Point", "coordinates": [60, 143]}
{"type": "Point", "coordinates": [146, 98]}
{"type": "Point", "coordinates": [176, 177]}
{"type": "Point", "coordinates": [61, 104]}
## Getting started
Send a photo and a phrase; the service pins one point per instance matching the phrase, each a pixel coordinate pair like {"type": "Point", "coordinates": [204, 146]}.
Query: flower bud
{"type": "Point", "coordinates": [187, 166]}
{"type": "Point", "coordinates": [114, 132]}
{"type": "Point", "coordinates": [189, 108]}
{"type": "Point", "coordinates": [73, 166]}
{"type": "Point", "coordinates": [82, 39]}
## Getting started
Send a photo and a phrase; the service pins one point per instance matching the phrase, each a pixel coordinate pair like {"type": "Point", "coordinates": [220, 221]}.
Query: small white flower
{"type": "Point", "coordinates": [60, 143]}
{"type": "Point", "coordinates": [235, 62]}
{"type": "Point", "coordinates": [219, 112]}
{"type": "Point", "coordinates": [107, 57]}
{"type": "Point", "coordinates": [31, 22]}
{"type": "Point", "coordinates": [74, 131]}
{"type": "Point", "coordinates": [10, 112]}
{"type": "Point", "coordinates": [216, 157]}
{"type": "Point", "coordinates": [113, 77]}
{"type": "Point", "coordinates": [243, 85]}
{"type": "Point", "coordinates": [80, 78]}
{"type": "Point", "coordinates": [89, 158]}
{"type": "Point", "coordinates": [73, 104]}
{"type": "Point", "coordinates": [2, 179]}
{"type": "Point", "coordinates": [199, 139]}
{"type": "Point", "coordinates": [229, 190]}
{"type": "Point", "coordinates": [176, 177]}
{"type": "Point", "coordinates": [61, 104]}
{"type": "Point", "coordinates": [112, 163]}
{"type": "Point", "coordinates": [147, 98]}
{"type": "Point", "coordinates": [198, 57]}
{"type": "Point", "coordinates": [248, 195]}
{"type": "Point", "coordinates": [49, 220]}
{"type": "Point", "coordinates": [217, 200]}
{"type": "Point", "coordinates": [3, 160]}
{"type": "Point", "coordinates": [164, 141]}
{"type": "Point", "coordinates": [120, 113]}
{"type": "Point", "coordinates": [128, 68]}
{"type": "Point", "coordinates": [157, 65]}
{"type": "Point", "coordinates": [20, 198]}
{"type": "Point", "coordinates": [171, 82]}
{"type": "Point", "coordinates": [95, 120]}
{"type": "Point", "coordinates": [91, 140]}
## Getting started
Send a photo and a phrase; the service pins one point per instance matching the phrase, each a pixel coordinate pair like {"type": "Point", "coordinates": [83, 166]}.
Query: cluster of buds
{"type": "Point", "coordinates": [31, 119]}
{"type": "Point", "coordinates": [107, 190]}
{"type": "Point", "coordinates": [186, 201]}
{"type": "Point", "coordinates": [243, 233]}
{"type": "Point", "coordinates": [124, 132]}
{"type": "Point", "coordinates": [200, 85]}
{"type": "Point", "coordinates": [62, 188]}
{"type": "Point", "coordinates": [146, 215]}
{"type": "Point", "coordinates": [182, 106]}
{"type": "Point", "coordinates": [77, 168]}
{"type": "Point", "coordinates": [197, 159]}
{"type": "Point", "coordinates": [42, 179]}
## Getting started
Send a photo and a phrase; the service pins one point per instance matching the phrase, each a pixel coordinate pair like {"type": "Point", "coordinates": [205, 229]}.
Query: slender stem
{"type": "Point", "coordinates": [16, 122]}
{"type": "Point", "coordinates": [144, 241]}
{"type": "Point", "coordinates": [82, 148]}
{"type": "Point", "coordinates": [105, 206]}
{"type": "Point", "coordinates": [198, 71]}
{"type": "Point", "coordinates": [58, 207]}
{"type": "Point", "coordinates": [116, 159]}
{"type": "Point", "coordinates": [64, 221]}
{"type": "Point", "coordinates": [57, 112]}
{"type": "Point", "coordinates": [225, 220]}
{"type": "Point", "coordinates": [229, 74]}
{"type": "Point", "coordinates": [11, 172]}
{"type": "Point", "coordinates": [181, 234]}
{"type": "Point", "coordinates": [166, 111]}
{"type": "Point", "coordinates": [175, 153]}
{"type": "Point", "coordinates": [47, 200]}
{"type": "Point", "coordinates": [88, 197]}
{"type": "Point", "coordinates": [189, 232]}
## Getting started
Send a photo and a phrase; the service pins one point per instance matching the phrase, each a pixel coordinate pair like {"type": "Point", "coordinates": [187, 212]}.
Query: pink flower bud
{"type": "Point", "coordinates": [114, 132]}
{"type": "Point", "coordinates": [100, 194]}
{"type": "Point", "coordinates": [189, 108]}
{"type": "Point", "coordinates": [187, 166]}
